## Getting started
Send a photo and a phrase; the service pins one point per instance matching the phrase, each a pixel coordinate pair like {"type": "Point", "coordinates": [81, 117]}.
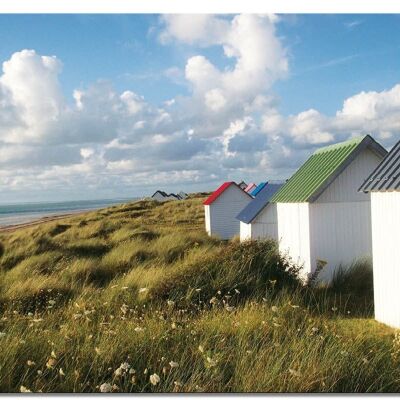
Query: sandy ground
{"type": "Point", "coordinates": [11, 228]}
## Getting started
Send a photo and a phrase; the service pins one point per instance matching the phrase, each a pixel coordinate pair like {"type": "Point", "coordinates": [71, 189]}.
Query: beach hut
{"type": "Point", "coordinates": [251, 186]}
{"type": "Point", "coordinates": [221, 208]}
{"type": "Point", "coordinates": [182, 195]}
{"type": "Point", "coordinates": [323, 220]}
{"type": "Point", "coordinates": [258, 219]}
{"type": "Point", "coordinates": [384, 188]}
{"type": "Point", "coordinates": [161, 196]}
{"type": "Point", "coordinates": [242, 185]}
{"type": "Point", "coordinates": [257, 189]}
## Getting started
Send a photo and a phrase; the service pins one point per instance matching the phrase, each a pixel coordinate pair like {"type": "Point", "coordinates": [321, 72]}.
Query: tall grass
{"type": "Point", "coordinates": [137, 298]}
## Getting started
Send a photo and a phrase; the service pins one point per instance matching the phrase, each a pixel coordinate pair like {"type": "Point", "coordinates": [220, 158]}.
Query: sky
{"type": "Point", "coordinates": [111, 106]}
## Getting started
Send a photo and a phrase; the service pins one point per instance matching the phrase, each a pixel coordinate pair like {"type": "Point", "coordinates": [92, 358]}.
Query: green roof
{"type": "Point", "coordinates": [311, 179]}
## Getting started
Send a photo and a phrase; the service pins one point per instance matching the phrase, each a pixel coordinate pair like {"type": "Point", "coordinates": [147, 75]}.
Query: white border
{"type": "Point", "coordinates": [201, 6]}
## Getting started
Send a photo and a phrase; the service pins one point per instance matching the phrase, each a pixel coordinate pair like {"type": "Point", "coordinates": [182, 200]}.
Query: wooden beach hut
{"type": "Point", "coordinates": [221, 208]}
{"type": "Point", "coordinates": [257, 189]}
{"type": "Point", "coordinates": [383, 185]}
{"type": "Point", "coordinates": [258, 220]}
{"type": "Point", "coordinates": [323, 220]}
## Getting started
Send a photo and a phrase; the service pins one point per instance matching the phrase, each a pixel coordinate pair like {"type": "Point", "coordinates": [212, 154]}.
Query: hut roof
{"type": "Point", "coordinates": [252, 209]}
{"type": "Point", "coordinates": [386, 176]}
{"type": "Point", "coordinates": [318, 172]}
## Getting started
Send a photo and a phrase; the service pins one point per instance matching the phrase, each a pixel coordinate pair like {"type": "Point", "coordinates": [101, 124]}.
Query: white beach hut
{"type": "Point", "coordinates": [322, 217]}
{"type": "Point", "coordinates": [161, 196]}
{"type": "Point", "coordinates": [258, 220]}
{"type": "Point", "coordinates": [384, 187]}
{"type": "Point", "coordinates": [221, 209]}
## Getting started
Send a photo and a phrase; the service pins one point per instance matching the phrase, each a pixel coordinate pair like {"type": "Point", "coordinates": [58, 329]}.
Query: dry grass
{"type": "Point", "coordinates": [121, 296]}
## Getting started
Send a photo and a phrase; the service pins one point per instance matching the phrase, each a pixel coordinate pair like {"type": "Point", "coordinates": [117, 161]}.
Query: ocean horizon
{"type": "Point", "coordinates": [21, 213]}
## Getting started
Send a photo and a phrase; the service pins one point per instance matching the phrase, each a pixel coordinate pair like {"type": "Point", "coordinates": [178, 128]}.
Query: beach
{"type": "Point", "coordinates": [14, 216]}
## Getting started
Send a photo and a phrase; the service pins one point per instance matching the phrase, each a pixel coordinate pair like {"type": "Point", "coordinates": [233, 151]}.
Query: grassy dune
{"type": "Point", "coordinates": [138, 298]}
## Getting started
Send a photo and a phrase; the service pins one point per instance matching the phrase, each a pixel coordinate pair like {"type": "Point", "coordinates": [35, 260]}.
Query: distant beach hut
{"type": "Point", "coordinates": [221, 208]}
{"type": "Point", "coordinates": [257, 189]}
{"type": "Point", "coordinates": [242, 185]}
{"type": "Point", "coordinates": [323, 220]}
{"type": "Point", "coordinates": [258, 219]}
{"type": "Point", "coordinates": [161, 196]}
{"type": "Point", "coordinates": [384, 187]}
{"type": "Point", "coordinates": [182, 195]}
{"type": "Point", "coordinates": [251, 186]}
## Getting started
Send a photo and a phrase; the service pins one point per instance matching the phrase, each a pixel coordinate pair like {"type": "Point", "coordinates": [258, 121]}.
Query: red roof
{"type": "Point", "coordinates": [214, 196]}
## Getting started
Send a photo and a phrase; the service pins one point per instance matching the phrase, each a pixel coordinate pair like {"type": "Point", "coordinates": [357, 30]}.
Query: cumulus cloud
{"type": "Point", "coordinates": [228, 126]}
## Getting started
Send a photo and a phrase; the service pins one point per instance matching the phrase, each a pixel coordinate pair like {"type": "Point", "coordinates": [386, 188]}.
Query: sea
{"type": "Point", "coordinates": [21, 213]}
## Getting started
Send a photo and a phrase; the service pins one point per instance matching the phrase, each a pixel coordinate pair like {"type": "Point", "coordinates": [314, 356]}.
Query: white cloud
{"type": "Point", "coordinates": [228, 126]}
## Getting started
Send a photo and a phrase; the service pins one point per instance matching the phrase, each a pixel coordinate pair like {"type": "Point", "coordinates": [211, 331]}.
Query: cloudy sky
{"type": "Point", "coordinates": [96, 106]}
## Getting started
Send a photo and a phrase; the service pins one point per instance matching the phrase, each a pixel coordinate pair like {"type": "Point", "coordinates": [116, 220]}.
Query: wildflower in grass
{"type": "Point", "coordinates": [170, 303]}
{"type": "Point", "coordinates": [51, 362]}
{"type": "Point", "coordinates": [173, 364]}
{"type": "Point", "coordinates": [30, 363]}
{"type": "Point", "coordinates": [119, 371]}
{"type": "Point", "coordinates": [138, 329]}
{"type": "Point", "coordinates": [274, 309]}
{"type": "Point", "coordinates": [154, 379]}
{"type": "Point", "coordinates": [105, 388]}
{"type": "Point", "coordinates": [237, 291]}
{"type": "Point", "coordinates": [61, 372]}
{"type": "Point", "coordinates": [201, 349]}
{"type": "Point", "coordinates": [334, 309]}
{"type": "Point", "coordinates": [173, 325]}
{"type": "Point", "coordinates": [294, 372]}
{"type": "Point", "coordinates": [23, 389]}
{"type": "Point", "coordinates": [97, 350]}
{"type": "Point", "coordinates": [229, 308]}
{"type": "Point", "coordinates": [365, 361]}
{"type": "Point", "coordinates": [213, 300]}
{"type": "Point", "coordinates": [52, 302]}
{"type": "Point", "coordinates": [125, 366]}
{"type": "Point", "coordinates": [145, 371]}
{"type": "Point", "coordinates": [39, 372]}
{"type": "Point", "coordinates": [53, 354]}
{"type": "Point", "coordinates": [132, 371]}
{"type": "Point", "coordinates": [211, 362]}
{"type": "Point", "coordinates": [124, 308]}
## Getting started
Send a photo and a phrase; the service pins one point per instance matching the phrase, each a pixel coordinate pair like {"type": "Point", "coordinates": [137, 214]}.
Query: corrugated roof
{"type": "Point", "coordinates": [386, 176]}
{"type": "Point", "coordinates": [257, 189]}
{"type": "Point", "coordinates": [250, 187]}
{"type": "Point", "coordinates": [258, 203]}
{"type": "Point", "coordinates": [317, 173]}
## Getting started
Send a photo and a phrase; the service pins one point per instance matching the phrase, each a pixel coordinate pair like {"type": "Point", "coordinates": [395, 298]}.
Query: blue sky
{"type": "Point", "coordinates": [209, 130]}
{"type": "Point", "coordinates": [342, 54]}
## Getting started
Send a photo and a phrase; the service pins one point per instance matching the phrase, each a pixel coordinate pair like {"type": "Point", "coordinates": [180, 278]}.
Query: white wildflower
{"type": "Point", "coordinates": [105, 388]}
{"type": "Point", "coordinates": [138, 329]}
{"type": "Point", "coordinates": [173, 364]}
{"type": "Point", "coordinates": [170, 303]}
{"type": "Point", "coordinates": [61, 372]}
{"type": "Point", "coordinates": [154, 379]}
{"type": "Point", "coordinates": [52, 302]}
{"type": "Point", "coordinates": [125, 366]}
{"type": "Point", "coordinates": [274, 309]}
{"type": "Point", "coordinates": [213, 300]}
{"type": "Point", "coordinates": [211, 362]}
{"type": "Point", "coordinates": [23, 389]}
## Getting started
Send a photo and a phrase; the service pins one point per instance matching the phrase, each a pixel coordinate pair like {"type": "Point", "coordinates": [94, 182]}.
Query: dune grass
{"type": "Point", "coordinates": [137, 298]}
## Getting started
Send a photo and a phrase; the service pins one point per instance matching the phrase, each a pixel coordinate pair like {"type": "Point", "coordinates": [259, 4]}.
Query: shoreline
{"type": "Point", "coordinates": [43, 219]}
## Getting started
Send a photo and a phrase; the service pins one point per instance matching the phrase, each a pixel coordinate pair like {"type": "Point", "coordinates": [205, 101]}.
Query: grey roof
{"type": "Point", "coordinates": [258, 203]}
{"type": "Point", "coordinates": [386, 176]}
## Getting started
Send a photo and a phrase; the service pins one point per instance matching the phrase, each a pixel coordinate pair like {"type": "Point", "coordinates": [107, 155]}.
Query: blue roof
{"type": "Point", "coordinates": [258, 203]}
{"type": "Point", "coordinates": [257, 189]}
